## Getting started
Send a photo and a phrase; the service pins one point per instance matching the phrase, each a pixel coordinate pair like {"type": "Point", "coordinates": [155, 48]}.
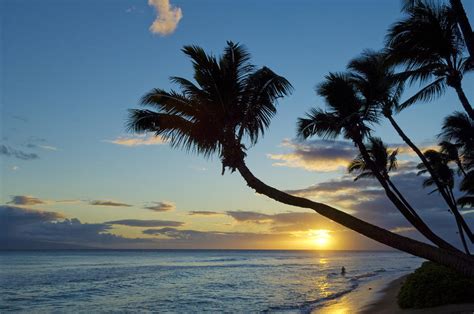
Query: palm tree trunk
{"type": "Point", "coordinates": [459, 262]}
{"type": "Point", "coordinates": [464, 101]}
{"type": "Point", "coordinates": [464, 25]}
{"type": "Point", "coordinates": [458, 223]}
{"type": "Point", "coordinates": [452, 205]}
{"type": "Point", "coordinates": [415, 220]}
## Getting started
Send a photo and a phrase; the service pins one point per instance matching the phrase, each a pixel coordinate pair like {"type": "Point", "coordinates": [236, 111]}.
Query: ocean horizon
{"type": "Point", "coordinates": [189, 280]}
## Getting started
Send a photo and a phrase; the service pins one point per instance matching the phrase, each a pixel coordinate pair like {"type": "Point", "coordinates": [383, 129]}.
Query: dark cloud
{"type": "Point", "coordinates": [16, 153]}
{"type": "Point", "coordinates": [25, 200]}
{"type": "Point", "coordinates": [109, 203]}
{"type": "Point", "coordinates": [204, 213]}
{"type": "Point", "coordinates": [146, 223]}
{"type": "Point", "coordinates": [162, 206]}
{"type": "Point", "coordinates": [249, 216]}
{"type": "Point", "coordinates": [316, 155]}
{"type": "Point", "coordinates": [32, 229]}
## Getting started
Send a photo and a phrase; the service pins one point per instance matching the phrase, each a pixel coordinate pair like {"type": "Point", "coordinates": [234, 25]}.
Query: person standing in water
{"type": "Point", "coordinates": [343, 270]}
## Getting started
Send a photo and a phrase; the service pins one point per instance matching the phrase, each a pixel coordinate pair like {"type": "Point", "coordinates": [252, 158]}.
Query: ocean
{"type": "Point", "coordinates": [188, 281]}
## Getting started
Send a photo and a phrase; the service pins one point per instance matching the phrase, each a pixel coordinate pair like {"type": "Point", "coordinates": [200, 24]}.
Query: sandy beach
{"type": "Point", "coordinates": [386, 302]}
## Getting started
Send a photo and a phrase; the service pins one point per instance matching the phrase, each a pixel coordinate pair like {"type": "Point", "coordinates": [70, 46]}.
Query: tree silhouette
{"type": "Point", "coordinates": [224, 108]}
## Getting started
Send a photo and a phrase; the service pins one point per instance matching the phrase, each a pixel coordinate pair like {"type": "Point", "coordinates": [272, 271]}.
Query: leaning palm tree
{"type": "Point", "coordinates": [428, 43]}
{"type": "Point", "coordinates": [230, 104]}
{"type": "Point", "coordinates": [351, 111]}
{"type": "Point", "coordinates": [376, 80]}
{"type": "Point", "coordinates": [439, 162]}
{"type": "Point", "coordinates": [385, 160]}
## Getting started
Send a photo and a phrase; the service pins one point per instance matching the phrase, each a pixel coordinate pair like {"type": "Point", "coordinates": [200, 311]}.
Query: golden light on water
{"type": "Point", "coordinates": [320, 237]}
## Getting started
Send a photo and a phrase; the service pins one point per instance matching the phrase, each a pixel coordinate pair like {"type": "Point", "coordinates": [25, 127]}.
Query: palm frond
{"type": "Point", "coordinates": [427, 93]}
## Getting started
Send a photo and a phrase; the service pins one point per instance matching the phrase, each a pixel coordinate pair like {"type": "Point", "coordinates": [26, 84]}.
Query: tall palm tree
{"type": "Point", "coordinates": [461, 19]}
{"type": "Point", "coordinates": [350, 113]}
{"type": "Point", "coordinates": [201, 118]}
{"type": "Point", "coordinates": [439, 162]}
{"type": "Point", "coordinates": [428, 43]}
{"type": "Point", "coordinates": [465, 26]}
{"type": "Point", "coordinates": [374, 77]}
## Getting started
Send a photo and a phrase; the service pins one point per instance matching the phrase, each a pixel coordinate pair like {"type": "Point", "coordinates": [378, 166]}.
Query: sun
{"type": "Point", "coordinates": [320, 237]}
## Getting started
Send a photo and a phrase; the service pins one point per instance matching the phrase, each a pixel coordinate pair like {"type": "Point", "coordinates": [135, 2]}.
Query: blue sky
{"type": "Point", "coordinates": [71, 69]}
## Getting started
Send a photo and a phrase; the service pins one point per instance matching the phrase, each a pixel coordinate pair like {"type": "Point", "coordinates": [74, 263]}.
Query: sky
{"type": "Point", "coordinates": [72, 177]}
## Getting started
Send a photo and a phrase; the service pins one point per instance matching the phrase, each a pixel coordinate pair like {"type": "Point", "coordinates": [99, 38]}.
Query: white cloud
{"type": "Point", "coordinates": [138, 140]}
{"type": "Point", "coordinates": [167, 18]}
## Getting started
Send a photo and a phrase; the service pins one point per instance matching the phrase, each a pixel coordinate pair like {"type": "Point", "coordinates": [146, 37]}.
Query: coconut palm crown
{"type": "Point", "coordinates": [383, 158]}
{"type": "Point", "coordinates": [230, 101]}
{"type": "Point", "coordinates": [430, 46]}
{"type": "Point", "coordinates": [348, 113]}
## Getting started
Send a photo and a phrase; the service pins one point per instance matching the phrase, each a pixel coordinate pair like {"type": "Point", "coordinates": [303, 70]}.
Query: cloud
{"type": "Point", "coordinates": [16, 153]}
{"type": "Point", "coordinates": [23, 228]}
{"type": "Point", "coordinates": [167, 18]}
{"type": "Point", "coordinates": [25, 200]}
{"type": "Point", "coordinates": [145, 223]}
{"type": "Point", "coordinates": [204, 213]}
{"type": "Point", "coordinates": [138, 140]}
{"type": "Point", "coordinates": [316, 155]}
{"type": "Point", "coordinates": [282, 222]}
{"type": "Point", "coordinates": [162, 206]}
{"type": "Point", "coordinates": [327, 156]}
{"type": "Point", "coordinates": [109, 203]}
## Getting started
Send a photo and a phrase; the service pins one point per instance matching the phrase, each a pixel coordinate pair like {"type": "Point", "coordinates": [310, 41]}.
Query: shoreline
{"type": "Point", "coordinates": [386, 302]}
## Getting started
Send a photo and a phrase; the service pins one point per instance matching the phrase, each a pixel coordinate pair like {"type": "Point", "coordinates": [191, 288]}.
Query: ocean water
{"type": "Point", "coordinates": [188, 281]}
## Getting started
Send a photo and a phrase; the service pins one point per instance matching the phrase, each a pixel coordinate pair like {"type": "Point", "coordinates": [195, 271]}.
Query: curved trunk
{"type": "Point", "coordinates": [464, 25]}
{"type": "Point", "coordinates": [452, 206]}
{"type": "Point", "coordinates": [459, 262]}
{"type": "Point", "coordinates": [464, 101]}
{"type": "Point", "coordinates": [414, 219]}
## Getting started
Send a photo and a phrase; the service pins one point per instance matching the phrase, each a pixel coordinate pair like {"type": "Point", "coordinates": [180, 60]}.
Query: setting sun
{"type": "Point", "coordinates": [320, 237]}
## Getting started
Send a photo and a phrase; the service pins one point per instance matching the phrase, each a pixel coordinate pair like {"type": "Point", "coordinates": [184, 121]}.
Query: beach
{"type": "Point", "coordinates": [385, 301]}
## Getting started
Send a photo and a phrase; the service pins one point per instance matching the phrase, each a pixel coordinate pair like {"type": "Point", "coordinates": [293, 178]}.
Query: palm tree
{"type": "Point", "coordinates": [439, 162]}
{"type": "Point", "coordinates": [465, 26]}
{"type": "Point", "coordinates": [452, 153]}
{"type": "Point", "coordinates": [461, 19]}
{"type": "Point", "coordinates": [385, 161]}
{"type": "Point", "coordinates": [383, 158]}
{"type": "Point", "coordinates": [374, 77]}
{"type": "Point", "coordinates": [232, 103]}
{"type": "Point", "coordinates": [428, 43]}
{"type": "Point", "coordinates": [351, 113]}
{"type": "Point", "coordinates": [467, 185]}
{"type": "Point", "coordinates": [458, 130]}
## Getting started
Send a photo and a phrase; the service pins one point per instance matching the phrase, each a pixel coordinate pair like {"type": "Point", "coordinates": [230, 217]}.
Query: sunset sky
{"type": "Point", "coordinates": [71, 176]}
